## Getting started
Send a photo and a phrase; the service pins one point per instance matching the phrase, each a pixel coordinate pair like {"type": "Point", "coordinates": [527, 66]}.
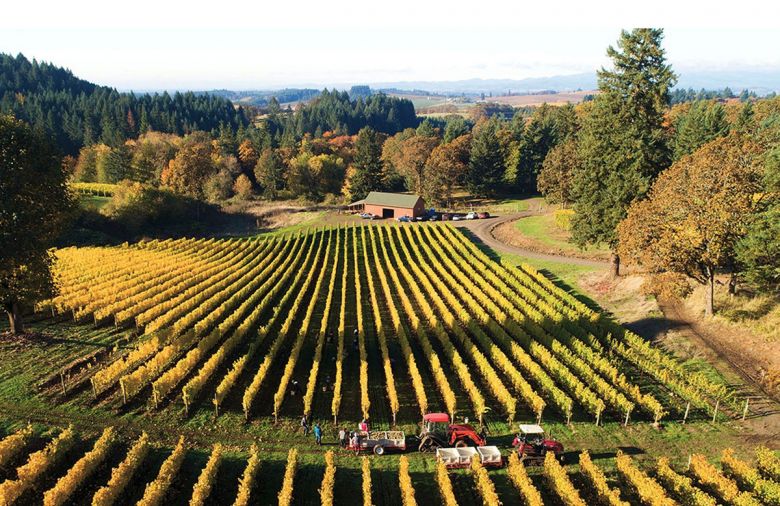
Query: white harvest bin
{"type": "Point", "coordinates": [489, 455]}
{"type": "Point", "coordinates": [448, 456]}
{"type": "Point", "coordinates": [465, 455]}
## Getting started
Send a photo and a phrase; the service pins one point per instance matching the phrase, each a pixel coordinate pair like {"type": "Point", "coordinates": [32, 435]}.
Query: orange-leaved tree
{"type": "Point", "coordinates": [695, 213]}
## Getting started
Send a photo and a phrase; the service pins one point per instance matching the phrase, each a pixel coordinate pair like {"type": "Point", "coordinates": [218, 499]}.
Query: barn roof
{"type": "Point", "coordinates": [392, 199]}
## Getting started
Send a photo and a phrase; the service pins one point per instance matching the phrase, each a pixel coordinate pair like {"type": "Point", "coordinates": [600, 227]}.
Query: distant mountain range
{"type": "Point", "coordinates": [759, 81]}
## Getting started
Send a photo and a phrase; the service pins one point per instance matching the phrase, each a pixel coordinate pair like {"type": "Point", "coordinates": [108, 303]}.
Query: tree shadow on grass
{"type": "Point", "coordinates": [490, 252]}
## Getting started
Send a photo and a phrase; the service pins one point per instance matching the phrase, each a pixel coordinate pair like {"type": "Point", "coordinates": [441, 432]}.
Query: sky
{"type": "Point", "coordinates": [151, 45]}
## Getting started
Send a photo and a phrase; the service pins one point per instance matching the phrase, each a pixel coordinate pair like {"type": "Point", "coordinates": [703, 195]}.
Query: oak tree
{"type": "Point", "coordinates": [192, 166]}
{"type": "Point", "coordinates": [446, 167]}
{"type": "Point", "coordinates": [34, 202]}
{"type": "Point", "coordinates": [696, 212]}
{"type": "Point", "coordinates": [558, 169]}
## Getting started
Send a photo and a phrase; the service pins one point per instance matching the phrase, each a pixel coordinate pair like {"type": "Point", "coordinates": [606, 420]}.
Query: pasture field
{"type": "Point", "coordinates": [231, 341]}
{"type": "Point", "coordinates": [536, 100]}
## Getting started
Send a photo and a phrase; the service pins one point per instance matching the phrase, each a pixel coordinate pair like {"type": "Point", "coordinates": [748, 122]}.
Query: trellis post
{"type": "Point", "coordinates": [715, 413]}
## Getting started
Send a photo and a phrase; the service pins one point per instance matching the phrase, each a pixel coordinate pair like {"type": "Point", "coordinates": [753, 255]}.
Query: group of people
{"type": "Point", "coordinates": [346, 438]}
{"type": "Point", "coordinates": [317, 430]}
{"type": "Point", "coordinates": [296, 389]}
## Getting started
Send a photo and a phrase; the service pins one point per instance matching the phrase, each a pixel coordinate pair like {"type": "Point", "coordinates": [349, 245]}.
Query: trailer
{"type": "Point", "coordinates": [490, 456]}
{"type": "Point", "coordinates": [454, 458]}
{"type": "Point", "coordinates": [379, 441]}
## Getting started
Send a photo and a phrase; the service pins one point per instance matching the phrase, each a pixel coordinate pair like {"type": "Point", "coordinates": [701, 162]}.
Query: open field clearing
{"type": "Point", "coordinates": [574, 97]}
{"type": "Point", "coordinates": [539, 233]}
{"type": "Point", "coordinates": [69, 467]}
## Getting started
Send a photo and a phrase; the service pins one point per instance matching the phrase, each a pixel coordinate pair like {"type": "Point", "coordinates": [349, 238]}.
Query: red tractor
{"type": "Point", "coordinates": [532, 446]}
{"type": "Point", "coordinates": [439, 433]}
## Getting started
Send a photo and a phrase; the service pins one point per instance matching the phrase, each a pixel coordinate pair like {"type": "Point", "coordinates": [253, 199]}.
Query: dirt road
{"type": "Point", "coordinates": [483, 229]}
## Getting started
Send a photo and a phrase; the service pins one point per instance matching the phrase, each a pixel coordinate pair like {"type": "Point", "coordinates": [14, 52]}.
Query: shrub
{"type": "Point", "coordinates": [563, 218]}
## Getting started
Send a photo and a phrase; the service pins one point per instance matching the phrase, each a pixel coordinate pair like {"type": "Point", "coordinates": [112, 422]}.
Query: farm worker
{"type": "Point", "coordinates": [363, 426]}
{"type": "Point", "coordinates": [326, 383]}
{"type": "Point", "coordinates": [318, 434]}
{"type": "Point", "coordinates": [305, 425]}
{"type": "Point", "coordinates": [342, 438]}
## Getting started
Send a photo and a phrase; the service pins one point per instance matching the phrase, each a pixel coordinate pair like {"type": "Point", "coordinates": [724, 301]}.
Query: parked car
{"type": "Point", "coordinates": [483, 215]}
{"type": "Point", "coordinates": [422, 217]}
{"type": "Point", "coordinates": [434, 217]}
{"type": "Point", "coordinates": [404, 219]}
{"type": "Point", "coordinates": [472, 216]}
{"type": "Point", "coordinates": [458, 217]}
{"type": "Point", "coordinates": [446, 217]}
{"type": "Point", "coordinates": [367, 216]}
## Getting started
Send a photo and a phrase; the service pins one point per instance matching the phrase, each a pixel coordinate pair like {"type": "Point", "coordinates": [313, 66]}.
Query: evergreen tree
{"type": "Point", "coordinates": [226, 140]}
{"type": "Point", "coordinates": [705, 121]}
{"type": "Point", "coordinates": [456, 126]}
{"type": "Point", "coordinates": [623, 143]}
{"type": "Point", "coordinates": [366, 174]}
{"type": "Point", "coordinates": [486, 164]}
{"type": "Point", "coordinates": [118, 164]}
{"type": "Point", "coordinates": [759, 251]}
{"type": "Point", "coordinates": [269, 173]}
{"type": "Point", "coordinates": [426, 129]}
{"type": "Point", "coordinates": [745, 122]}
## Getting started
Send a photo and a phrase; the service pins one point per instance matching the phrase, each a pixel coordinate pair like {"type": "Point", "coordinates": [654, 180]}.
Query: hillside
{"type": "Point", "coordinates": [76, 112]}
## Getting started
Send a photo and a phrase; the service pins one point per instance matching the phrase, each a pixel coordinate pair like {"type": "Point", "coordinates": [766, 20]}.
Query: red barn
{"type": "Point", "coordinates": [390, 205]}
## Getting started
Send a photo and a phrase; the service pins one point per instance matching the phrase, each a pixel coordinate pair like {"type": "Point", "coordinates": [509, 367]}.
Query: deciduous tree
{"type": "Point", "coordinates": [191, 167]}
{"type": "Point", "coordinates": [34, 201]}
{"type": "Point", "coordinates": [247, 155]}
{"type": "Point", "coordinates": [392, 150]}
{"type": "Point", "coordinates": [412, 160]}
{"type": "Point", "coordinates": [696, 212]}
{"type": "Point", "coordinates": [558, 169]}
{"type": "Point", "coordinates": [243, 187]}
{"type": "Point", "coordinates": [446, 167]}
